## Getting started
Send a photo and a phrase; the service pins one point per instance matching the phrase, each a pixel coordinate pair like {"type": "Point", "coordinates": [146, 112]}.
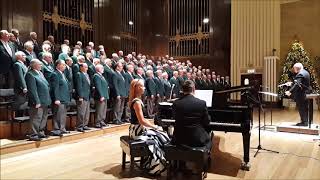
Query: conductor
{"type": "Point", "coordinates": [300, 87]}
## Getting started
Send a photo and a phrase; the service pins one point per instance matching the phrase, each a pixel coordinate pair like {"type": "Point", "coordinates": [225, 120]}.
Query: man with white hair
{"type": "Point", "coordinates": [76, 66]}
{"type": "Point", "coordinates": [159, 87]}
{"type": "Point", "coordinates": [300, 87]}
{"type": "Point", "coordinates": [79, 43]}
{"type": "Point", "coordinates": [151, 93]}
{"type": "Point", "coordinates": [65, 49]}
{"type": "Point", "coordinates": [108, 74]}
{"type": "Point", "coordinates": [96, 61]}
{"type": "Point", "coordinates": [139, 74]}
{"type": "Point", "coordinates": [38, 100]}
{"type": "Point", "coordinates": [120, 54]}
{"type": "Point", "coordinates": [93, 51]}
{"type": "Point", "coordinates": [167, 86]}
{"type": "Point", "coordinates": [33, 39]}
{"type": "Point", "coordinates": [119, 89]}
{"type": "Point", "coordinates": [115, 59]}
{"type": "Point", "coordinates": [175, 84]}
{"type": "Point", "coordinates": [47, 68]}
{"type": "Point", "coordinates": [91, 68]}
{"type": "Point", "coordinates": [20, 86]}
{"type": "Point", "coordinates": [45, 48]}
{"type": "Point", "coordinates": [101, 95]}
{"type": "Point", "coordinates": [28, 49]}
{"type": "Point", "coordinates": [6, 59]}
{"type": "Point", "coordinates": [128, 76]}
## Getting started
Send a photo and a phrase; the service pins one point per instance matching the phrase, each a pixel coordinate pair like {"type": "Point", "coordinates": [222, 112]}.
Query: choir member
{"type": "Point", "coordinates": [36, 46]}
{"type": "Point", "coordinates": [60, 97]}
{"type": "Point", "coordinates": [20, 85]}
{"type": "Point", "coordinates": [101, 95]}
{"type": "Point", "coordinates": [151, 93]}
{"type": "Point", "coordinates": [83, 91]}
{"type": "Point", "coordinates": [6, 60]}
{"type": "Point", "coordinates": [119, 86]}
{"type": "Point", "coordinates": [38, 100]}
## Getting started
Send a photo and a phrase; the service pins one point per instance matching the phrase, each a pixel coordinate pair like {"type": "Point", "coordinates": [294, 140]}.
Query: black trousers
{"type": "Point", "coordinates": [302, 105]}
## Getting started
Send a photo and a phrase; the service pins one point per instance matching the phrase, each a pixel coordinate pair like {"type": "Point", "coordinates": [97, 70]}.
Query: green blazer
{"type": "Point", "coordinates": [30, 56]}
{"type": "Point", "coordinates": [47, 70]}
{"type": "Point", "coordinates": [69, 75]}
{"type": "Point", "coordinates": [91, 69]}
{"type": "Point", "coordinates": [128, 78]}
{"type": "Point", "coordinates": [102, 88]}
{"type": "Point", "coordinates": [63, 56]}
{"type": "Point", "coordinates": [74, 59]}
{"type": "Point", "coordinates": [38, 89]}
{"type": "Point", "coordinates": [60, 88]}
{"type": "Point", "coordinates": [181, 81]}
{"type": "Point", "coordinates": [151, 87]}
{"type": "Point", "coordinates": [119, 85]}
{"type": "Point", "coordinates": [82, 86]}
{"type": "Point", "coordinates": [19, 72]}
{"type": "Point", "coordinates": [176, 89]}
{"type": "Point", "coordinates": [108, 74]}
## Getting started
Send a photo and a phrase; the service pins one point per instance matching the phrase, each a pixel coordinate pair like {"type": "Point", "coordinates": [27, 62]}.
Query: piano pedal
{"type": "Point", "coordinates": [245, 166]}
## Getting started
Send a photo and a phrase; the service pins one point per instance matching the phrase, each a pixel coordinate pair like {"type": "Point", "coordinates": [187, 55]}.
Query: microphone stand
{"type": "Point", "coordinates": [258, 102]}
{"type": "Point", "coordinates": [171, 91]}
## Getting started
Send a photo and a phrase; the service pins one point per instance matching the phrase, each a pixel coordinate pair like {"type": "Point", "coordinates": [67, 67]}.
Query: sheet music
{"type": "Point", "coordinates": [165, 104]}
{"type": "Point", "coordinates": [205, 95]}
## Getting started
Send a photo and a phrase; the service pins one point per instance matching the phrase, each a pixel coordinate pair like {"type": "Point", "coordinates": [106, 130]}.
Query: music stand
{"type": "Point", "coordinates": [258, 102]}
{"type": "Point", "coordinates": [313, 97]}
{"type": "Point", "coordinates": [272, 95]}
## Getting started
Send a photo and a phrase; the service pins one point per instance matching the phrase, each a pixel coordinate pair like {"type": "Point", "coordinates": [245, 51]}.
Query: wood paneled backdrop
{"type": "Point", "coordinates": [149, 33]}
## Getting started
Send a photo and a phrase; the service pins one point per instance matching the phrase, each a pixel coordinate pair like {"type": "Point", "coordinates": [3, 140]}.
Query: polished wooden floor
{"type": "Point", "coordinates": [100, 157]}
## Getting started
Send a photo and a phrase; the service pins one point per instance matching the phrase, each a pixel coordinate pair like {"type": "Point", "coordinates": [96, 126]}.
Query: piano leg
{"type": "Point", "coordinates": [246, 148]}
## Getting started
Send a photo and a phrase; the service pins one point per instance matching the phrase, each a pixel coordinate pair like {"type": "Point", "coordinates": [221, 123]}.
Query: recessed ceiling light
{"type": "Point", "coordinates": [205, 20]}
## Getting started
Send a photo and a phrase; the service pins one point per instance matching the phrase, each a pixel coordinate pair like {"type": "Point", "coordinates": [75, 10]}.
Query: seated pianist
{"type": "Point", "coordinates": [141, 128]}
{"type": "Point", "coordinates": [191, 119]}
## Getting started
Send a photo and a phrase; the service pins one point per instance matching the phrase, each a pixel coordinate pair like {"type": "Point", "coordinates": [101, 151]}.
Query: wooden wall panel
{"type": "Point", "coordinates": [255, 33]}
{"type": "Point", "coordinates": [23, 16]}
{"type": "Point", "coordinates": [106, 22]}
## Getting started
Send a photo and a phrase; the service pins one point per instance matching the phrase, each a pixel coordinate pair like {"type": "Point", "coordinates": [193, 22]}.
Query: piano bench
{"type": "Point", "coordinates": [133, 148]}
{"type": "Point", "coordinates": [199, 155]}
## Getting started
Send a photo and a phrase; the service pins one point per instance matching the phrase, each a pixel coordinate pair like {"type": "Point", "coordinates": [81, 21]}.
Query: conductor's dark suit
{"type": "Point", "coordinates": [299, 90]}
{"type": "Point", "coordinates": [192, 118]}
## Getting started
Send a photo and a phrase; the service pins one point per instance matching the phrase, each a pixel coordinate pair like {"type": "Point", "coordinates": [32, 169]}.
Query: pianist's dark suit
{"type": "Point", "coordinates": [192, 118]}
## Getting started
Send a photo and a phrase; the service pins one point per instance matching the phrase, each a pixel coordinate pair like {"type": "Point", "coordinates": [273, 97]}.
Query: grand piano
{"type": "Point", "coordinates": [227, 117]}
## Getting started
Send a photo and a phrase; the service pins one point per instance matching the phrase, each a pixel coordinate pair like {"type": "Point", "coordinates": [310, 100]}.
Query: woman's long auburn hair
{"type": "Point", "coordinates": [133, 90]}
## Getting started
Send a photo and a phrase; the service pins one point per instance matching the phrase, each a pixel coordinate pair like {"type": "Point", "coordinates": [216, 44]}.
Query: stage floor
{"type": "Point", "coordinates": [99, 157]}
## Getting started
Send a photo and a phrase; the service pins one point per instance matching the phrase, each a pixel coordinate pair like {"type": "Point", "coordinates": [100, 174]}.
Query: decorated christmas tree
{"type": "Point", "coordinates": [295, 55]}
{"type": "Point", "coordinates": [317, 67]}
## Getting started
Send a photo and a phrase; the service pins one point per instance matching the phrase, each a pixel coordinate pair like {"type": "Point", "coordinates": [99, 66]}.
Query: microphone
{"type": "Point", "coordinates": [171, 91]}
